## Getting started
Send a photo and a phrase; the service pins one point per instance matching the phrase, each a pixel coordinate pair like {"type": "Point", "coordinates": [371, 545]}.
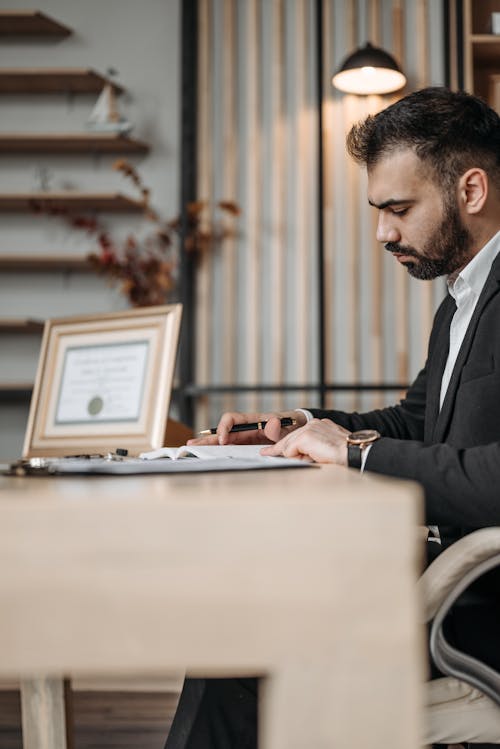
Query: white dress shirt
{"type": "Point", "coordinates": [465, 290]}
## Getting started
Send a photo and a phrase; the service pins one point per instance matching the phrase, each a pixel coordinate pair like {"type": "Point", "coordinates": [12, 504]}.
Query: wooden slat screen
{"type": "Point", "coordinates": [257, 310]}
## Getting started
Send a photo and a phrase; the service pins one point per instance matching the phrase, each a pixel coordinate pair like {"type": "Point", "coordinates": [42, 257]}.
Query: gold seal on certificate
{"type": "Point", "coordinates": [95, 405]}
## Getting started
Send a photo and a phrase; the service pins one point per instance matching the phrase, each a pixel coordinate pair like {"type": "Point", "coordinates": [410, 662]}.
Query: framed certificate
{"type": "Point", "coordinates": [103, 382]}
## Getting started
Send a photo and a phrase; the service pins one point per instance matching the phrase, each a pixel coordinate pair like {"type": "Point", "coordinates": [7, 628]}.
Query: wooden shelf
{"type": "Point", "coordinates": [71, 201]}
{"type": "Point", "coordinates": [485, 38]}
{"type": "Point", "coordinates": [70, 143]}
{"type": "Point", "coordinates": [44, 263]}
{"type": "Point", "coordinates": [20, 325]}
{"type": "Point", "coordinates": [16, 392]}
{"type": "Point", "coordinates": [486, 53]}
{"type": "Point", "coordinates": [53, 80]}
{"type": "Point", "coordinates": [30, 23]}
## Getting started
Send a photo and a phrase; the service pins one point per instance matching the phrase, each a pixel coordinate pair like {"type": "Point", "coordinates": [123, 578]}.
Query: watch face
{"type": "Point", "coordinates": [363, 436]}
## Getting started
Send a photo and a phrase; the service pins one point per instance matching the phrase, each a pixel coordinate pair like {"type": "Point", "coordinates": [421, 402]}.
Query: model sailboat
{"type": "Point", "coordinates": [105, 116]}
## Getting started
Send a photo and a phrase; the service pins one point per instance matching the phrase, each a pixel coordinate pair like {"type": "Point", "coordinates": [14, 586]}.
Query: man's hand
{"type": "Point", "coordinates": [321, 441]}
{"type": "Point", "coordinates": [272, 432]}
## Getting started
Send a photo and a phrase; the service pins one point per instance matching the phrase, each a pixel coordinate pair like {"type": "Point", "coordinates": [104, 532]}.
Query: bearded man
{"type": "Point", "coordinates": [433, 164]}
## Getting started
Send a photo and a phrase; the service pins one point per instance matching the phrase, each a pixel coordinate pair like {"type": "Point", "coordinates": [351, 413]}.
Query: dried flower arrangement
{"type": "Point", "coordinates": [146, 268]}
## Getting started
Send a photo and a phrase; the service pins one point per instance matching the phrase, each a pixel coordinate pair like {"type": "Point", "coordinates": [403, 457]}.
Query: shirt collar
{"type": "Point", "coordinates": [475, 273]}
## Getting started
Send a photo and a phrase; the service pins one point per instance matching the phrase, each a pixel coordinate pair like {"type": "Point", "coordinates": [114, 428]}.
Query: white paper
{"type": "Point", "coordinates": [208, 452]}
{"type": "Point", "coordinates": [102, 383]}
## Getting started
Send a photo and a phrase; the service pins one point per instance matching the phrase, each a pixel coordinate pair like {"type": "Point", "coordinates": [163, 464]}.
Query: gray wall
{"type": "Point", "coordinates": [141, 41]}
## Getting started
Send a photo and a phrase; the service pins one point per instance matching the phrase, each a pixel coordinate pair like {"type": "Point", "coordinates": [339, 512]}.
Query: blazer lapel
{"type": "Point", "coordinates": [491, 287]}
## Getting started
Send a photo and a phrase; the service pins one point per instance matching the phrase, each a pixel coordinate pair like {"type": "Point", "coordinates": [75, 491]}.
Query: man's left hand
{"type": "Point", "coordinates": [320, 440]}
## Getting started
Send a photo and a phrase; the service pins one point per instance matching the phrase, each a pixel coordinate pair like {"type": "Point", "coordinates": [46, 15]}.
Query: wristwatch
{"type": "Point", "coordinates": [356, 442]}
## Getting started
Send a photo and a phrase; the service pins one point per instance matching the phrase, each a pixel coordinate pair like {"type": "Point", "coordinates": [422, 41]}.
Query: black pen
{"type": "Point", "coordinates": [286, 422]}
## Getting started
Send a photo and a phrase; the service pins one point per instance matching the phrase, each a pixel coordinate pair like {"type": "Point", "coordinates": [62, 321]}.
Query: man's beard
{"type": "Point", "coordinates": [446, 251]}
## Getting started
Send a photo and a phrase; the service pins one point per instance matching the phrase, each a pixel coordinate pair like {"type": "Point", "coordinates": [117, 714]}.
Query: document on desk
{"type": "Point", "coordinates": [185, 459]}
{"type": "Point", "coordinates": [207, 452]}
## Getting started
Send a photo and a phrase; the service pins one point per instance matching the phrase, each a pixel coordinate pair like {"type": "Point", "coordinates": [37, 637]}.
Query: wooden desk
{"type": "Point", "coordinates": [304, 575]}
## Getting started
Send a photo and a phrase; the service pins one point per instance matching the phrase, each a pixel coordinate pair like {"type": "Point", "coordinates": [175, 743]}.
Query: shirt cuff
{"type": "Point", "coordinates": [306, 413]}
{"type": "Point", "coordinates": [364, 457]}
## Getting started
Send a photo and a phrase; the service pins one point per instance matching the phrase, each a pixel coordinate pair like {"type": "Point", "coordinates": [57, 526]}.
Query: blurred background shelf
{"type": "Point", "coordinates": [71, 201]}
{"type": "Point", "coordinates": [30, 23]}
{"type": "Point", "coordinates": [70, 143]}
{"type": "Point", "coordinates": [44, 263]}
{"type": "Point", "coordinates": [20, 325]}
{"type": "Point", "coordinates": [15, 392]}
{"type": "Point", "coordinates": [53, 80]}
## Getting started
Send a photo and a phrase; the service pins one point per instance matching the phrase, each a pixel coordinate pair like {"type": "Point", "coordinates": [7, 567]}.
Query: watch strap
{"type": "Point", "coordinates": [353, 456]}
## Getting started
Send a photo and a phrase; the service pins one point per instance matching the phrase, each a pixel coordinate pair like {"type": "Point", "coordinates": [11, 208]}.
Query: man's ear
{"type": "Point", "coordinates": [473, 190]}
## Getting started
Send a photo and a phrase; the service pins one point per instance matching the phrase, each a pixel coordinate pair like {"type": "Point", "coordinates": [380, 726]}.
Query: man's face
{"type": "Point", "coordinates": [418, 225]}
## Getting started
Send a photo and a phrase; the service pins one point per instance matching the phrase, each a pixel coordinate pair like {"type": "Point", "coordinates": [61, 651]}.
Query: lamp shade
{"type": "Point", "coordinates": [369, 70]}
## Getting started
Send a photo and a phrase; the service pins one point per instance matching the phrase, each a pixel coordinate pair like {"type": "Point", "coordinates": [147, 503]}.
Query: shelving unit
{"type": "Point", "coordinates": [25, 333]}
{"type": "Point", "coordinates": [481, 50]}
{"type": "Point", "coordinates": [53, 80]}
{"type": "Point", "coordinates": [30, 23]}
{"type": "Point", "coordinates": [61, 143]}
{"type": "Point", "coordinates": [71, 201]}
{"type": "Point", "coordinates": [44, 263]}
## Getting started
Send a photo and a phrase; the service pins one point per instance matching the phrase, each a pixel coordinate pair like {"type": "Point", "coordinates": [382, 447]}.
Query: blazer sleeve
{"type": "Point", "coordinates": [404, 421]}
{"type": "Point", "coordinates": [458, 482]}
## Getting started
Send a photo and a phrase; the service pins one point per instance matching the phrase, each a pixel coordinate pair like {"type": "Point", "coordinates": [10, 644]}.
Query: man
{"type": "Point", "coordinates": [433, 163]}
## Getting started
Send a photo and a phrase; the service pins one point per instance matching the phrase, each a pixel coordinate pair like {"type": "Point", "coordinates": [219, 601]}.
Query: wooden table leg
{"type": "Point", "coordinates": [293, 709]}
{"type": "Point", "coordinates": [325, 706]}
{"type": "Point", "coordinates": [43, 713]}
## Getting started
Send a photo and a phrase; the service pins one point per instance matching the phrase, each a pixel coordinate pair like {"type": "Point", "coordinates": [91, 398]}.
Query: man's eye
{"type": "Point", "coordinates": [399, 211]}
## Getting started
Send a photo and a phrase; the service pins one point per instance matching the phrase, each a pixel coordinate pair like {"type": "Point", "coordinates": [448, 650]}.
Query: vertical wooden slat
{"type": "Point", "coordinates": [203, 276]}
{"type": "Point", "coordinates": [468, 67]}
{"type": "Point", "coordinates": [293, 83]}
{"type": "Point", "coordinates": [374, 22]}
{"type": "Point", "coordinates": [349, 316]}
{"type": "Point", "coordinates": [228, 167]}
{"type": "Point", "coordinates": [452, 32]}
{"type": "Point", "coordinates": [352, 114]}
{"type": "Point", "coordinates": [250, 151]}
{"type": "Point", "coordinates": [329, 107]}
{"type": "Point", "coordinates": [401, 279]}
{"type": "Point", "coordinates": [303, 136]}
{"type": "Point", "coordinates": [277, 239]}
{"type": "Point", "coordinates": [422, 66]}
{"type": "Point", "coordinates": [374, 104]}
{"type": "Point", "coordinates": [377, 291]}
{"type": "Point", "coordinates": [426, 289]}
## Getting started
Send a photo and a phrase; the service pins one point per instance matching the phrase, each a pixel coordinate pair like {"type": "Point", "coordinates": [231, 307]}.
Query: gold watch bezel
{"type": "Point", "coordinates": [363, 437]}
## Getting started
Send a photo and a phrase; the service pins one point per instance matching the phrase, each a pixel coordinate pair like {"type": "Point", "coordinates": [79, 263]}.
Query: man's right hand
{"type": "Point", "coordinates": [272, 432]}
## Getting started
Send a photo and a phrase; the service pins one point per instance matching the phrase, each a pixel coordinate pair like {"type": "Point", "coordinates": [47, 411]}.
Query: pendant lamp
{"type": "Point", "coordinates": [369, 70]}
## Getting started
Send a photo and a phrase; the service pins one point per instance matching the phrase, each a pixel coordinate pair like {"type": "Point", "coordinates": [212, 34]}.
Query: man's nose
{"type": "Point", "coordinates": [386, 231]}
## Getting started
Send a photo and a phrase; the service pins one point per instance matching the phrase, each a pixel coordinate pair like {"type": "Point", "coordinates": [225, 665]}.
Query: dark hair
{"type": "Point", "coordinates": [450, 131]}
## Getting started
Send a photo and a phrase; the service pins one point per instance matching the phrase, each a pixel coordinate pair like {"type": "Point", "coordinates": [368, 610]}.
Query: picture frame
{"type": "Point", "coordinates": [103, 382]}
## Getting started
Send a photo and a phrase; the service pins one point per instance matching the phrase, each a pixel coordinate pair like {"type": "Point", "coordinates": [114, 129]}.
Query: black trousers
{"type": "Point", "coordinates": [215, 714]}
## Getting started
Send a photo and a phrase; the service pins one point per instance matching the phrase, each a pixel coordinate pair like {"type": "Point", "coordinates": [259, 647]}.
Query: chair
{"type": "Point", "coordinates": [463, 706]}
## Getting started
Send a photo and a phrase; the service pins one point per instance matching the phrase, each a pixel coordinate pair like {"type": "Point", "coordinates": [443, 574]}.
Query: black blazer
{"type": "Point", "coordinates": [455, 453]}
